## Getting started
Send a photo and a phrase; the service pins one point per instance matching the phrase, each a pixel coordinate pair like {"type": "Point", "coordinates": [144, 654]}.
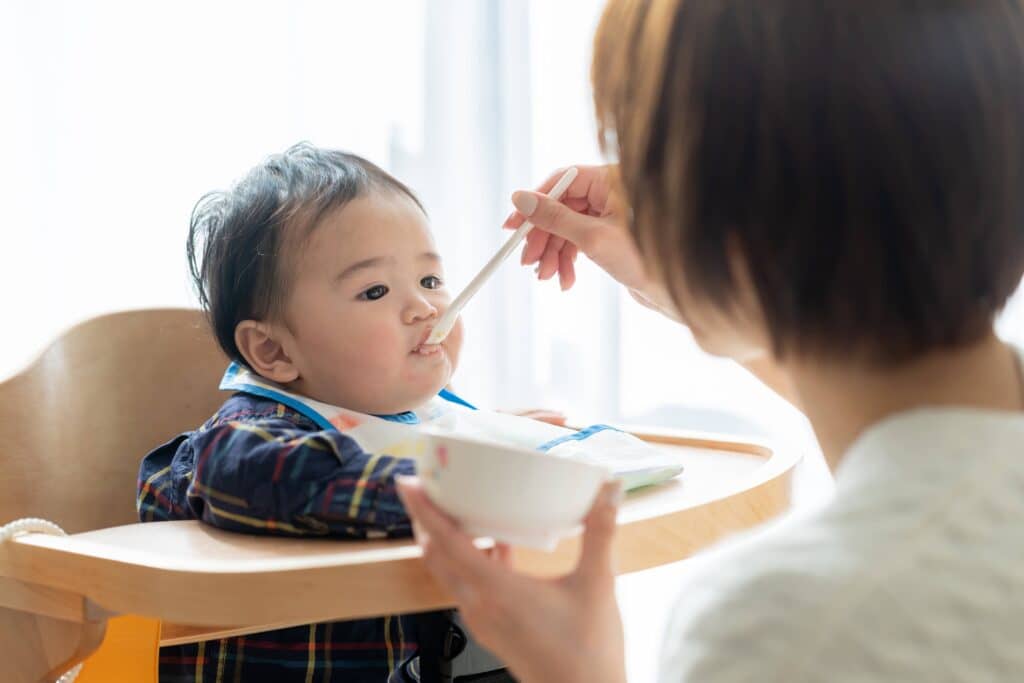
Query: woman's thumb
{"type": "Point", "coordinates": [553, 216]}
{"type": "Point", "coordinates": [599, 532]}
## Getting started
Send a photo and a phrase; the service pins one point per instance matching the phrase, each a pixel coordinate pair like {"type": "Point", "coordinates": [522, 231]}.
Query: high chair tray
{"type": "Point", "coordinates": [203, 582]}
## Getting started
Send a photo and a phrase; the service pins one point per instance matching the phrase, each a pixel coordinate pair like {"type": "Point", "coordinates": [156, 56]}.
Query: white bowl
{"type": "Point", "coordinates": [510, 494]}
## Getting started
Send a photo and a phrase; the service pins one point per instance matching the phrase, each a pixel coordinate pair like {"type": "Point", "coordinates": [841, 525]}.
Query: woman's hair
{"type": "Point", "coordinates": [864, 159]}
{"type": "Point", "coordinates": [242, 242]}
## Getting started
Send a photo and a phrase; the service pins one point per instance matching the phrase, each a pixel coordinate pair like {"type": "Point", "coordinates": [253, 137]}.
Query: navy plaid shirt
{"type": "Point", "coordinates": [260, 467]}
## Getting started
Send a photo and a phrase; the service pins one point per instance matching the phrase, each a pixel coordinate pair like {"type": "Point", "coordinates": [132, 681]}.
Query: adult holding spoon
{"type": "Point", "coordinates": [829, 191]}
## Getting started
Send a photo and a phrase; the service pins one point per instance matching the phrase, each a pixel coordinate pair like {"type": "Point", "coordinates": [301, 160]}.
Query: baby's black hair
{"type": "Point", "coordinates": [236, 238]}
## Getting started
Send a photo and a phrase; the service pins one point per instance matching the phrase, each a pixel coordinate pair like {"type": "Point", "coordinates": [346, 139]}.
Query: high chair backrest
{"type": "Point", "coordinates": [75, 424]}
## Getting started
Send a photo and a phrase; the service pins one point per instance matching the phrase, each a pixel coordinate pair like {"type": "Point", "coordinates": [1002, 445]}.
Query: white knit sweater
{"type": "Point", "coordinates": [914, 571]}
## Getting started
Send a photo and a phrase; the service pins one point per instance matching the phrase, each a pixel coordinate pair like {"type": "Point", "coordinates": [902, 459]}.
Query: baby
{"type": "Point", "coordinates": [321, 281]}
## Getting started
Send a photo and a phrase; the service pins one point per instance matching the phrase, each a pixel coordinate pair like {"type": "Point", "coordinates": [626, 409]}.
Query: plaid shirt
{"type": "Point", "coordinates": [259, 467]}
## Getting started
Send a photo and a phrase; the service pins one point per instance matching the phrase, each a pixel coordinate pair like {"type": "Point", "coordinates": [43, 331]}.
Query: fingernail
{"type": "Point", "coordinates": [525, 202]}
{"type": "Point", "coordinates": [509, 219]}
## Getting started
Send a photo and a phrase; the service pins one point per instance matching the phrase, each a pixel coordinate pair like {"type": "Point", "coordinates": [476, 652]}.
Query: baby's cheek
{"type": "Point", "coordinates": [369, 346]}
{"type": "Point", "coordinates": [385, 344]}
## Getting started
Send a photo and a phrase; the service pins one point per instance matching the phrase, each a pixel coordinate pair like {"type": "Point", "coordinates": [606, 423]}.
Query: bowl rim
{"type": "Point", "coordinates": [434, 433]}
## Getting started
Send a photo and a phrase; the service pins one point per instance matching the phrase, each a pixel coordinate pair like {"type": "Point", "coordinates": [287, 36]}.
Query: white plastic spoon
{"type": "Point", "coordinates": [447, 321]}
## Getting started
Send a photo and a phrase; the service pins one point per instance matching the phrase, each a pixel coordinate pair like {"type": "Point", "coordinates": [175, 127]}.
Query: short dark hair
{"type": "Point", "coordinates": [866, 157]}
{"type": "Point", "coordinates": [239, 240]}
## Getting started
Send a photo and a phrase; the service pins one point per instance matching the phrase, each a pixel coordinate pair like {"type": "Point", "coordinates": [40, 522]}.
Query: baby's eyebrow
{"type": "Point", "coordinates": [376, 261]}
{"type": "Point", "coordinates": [363, 265]}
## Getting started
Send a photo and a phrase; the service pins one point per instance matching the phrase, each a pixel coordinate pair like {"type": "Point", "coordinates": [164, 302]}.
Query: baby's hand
{"type": "Point", "coordinates": [550, 416]}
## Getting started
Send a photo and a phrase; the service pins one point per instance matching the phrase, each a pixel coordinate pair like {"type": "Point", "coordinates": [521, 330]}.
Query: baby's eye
{"type": "Point", "coordinates": [432, 282]}
{"type": "Point", "coordinates": [374, 293]}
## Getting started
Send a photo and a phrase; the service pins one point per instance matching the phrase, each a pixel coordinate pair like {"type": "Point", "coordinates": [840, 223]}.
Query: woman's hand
{"type": "Point", "coordinates": [566, 630]}
{"type": "Point", "coordinates": [588, 218]}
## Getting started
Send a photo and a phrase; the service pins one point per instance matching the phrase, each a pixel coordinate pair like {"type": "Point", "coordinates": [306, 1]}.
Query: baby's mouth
{"type": "Point", "coordinates": [425, 349]}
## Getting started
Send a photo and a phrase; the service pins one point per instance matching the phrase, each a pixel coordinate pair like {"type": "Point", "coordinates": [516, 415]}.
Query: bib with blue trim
{"type": "Point", "coordinates": [631, 460]}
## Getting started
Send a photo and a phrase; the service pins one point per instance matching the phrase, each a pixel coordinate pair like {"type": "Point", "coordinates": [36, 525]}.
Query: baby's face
{"type": "Point", "coordinates": [367, 289]}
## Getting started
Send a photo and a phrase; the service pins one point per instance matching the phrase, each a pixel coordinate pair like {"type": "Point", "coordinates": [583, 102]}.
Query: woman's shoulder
{"type": "Point", "coordinates": [849, 591]}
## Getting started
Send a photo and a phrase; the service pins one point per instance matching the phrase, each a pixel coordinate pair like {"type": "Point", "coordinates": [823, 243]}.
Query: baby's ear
{"type": "Point", "coordinates": [259, 344]}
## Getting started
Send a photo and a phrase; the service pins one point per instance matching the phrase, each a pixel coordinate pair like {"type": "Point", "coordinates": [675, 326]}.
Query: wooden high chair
{"type": "Point", "coordinates": [73, 428]}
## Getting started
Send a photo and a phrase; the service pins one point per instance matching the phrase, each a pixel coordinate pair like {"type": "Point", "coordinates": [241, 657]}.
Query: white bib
{"type": "Point", "coordinates": [631, 460]}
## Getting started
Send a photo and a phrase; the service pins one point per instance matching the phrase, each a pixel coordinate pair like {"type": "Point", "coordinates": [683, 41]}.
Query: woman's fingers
{"type": "Point", "coordinates": [527, 621]}
{"type": "Point", "coordinates": [550, 260]}
{"type": "Point", "coordinates": [515, 219]}
{"type": "Point", "coordinates": [536, 243]}
{"type": "Point", "coordinates": [580, 205]}
{"type": "Point", "coordinates": [483, 582]}
{"type": "Point", "coordinates": [567, 266]}
{"type": "Point", "coordinates": [446, 574]}
{"type": "Point", "coordinates": [555, 217]}
{"type": "Point", "coordinates": [449, 553]}
{"type": "Point", "coordinates": [573, 219]}
{"type": "Point", "coordinates": [595, 563]}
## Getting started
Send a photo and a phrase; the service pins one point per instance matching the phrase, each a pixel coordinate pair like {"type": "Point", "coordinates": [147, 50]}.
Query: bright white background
{"type": "Point", "coordinates": [118, 116]}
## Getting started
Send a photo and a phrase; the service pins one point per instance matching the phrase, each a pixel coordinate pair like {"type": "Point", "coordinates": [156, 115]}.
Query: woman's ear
{"type": "Point", "coordinates": [260, 345]}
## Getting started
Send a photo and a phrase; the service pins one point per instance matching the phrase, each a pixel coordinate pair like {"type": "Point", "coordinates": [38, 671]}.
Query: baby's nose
{"type": "Point", "coordinates": [421, 310]}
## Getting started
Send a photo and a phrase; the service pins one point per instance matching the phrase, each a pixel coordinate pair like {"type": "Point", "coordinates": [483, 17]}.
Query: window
{"type": "Point", "coordinates": [121, 115]}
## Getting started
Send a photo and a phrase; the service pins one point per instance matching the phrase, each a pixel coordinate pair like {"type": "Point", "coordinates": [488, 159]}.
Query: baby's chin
{"type": "Point", "coordinates": [412, 398]}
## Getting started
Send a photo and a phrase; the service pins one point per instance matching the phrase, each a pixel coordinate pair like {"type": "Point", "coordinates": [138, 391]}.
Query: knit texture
{"type": "Point", "coordinates": [914, 571]}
